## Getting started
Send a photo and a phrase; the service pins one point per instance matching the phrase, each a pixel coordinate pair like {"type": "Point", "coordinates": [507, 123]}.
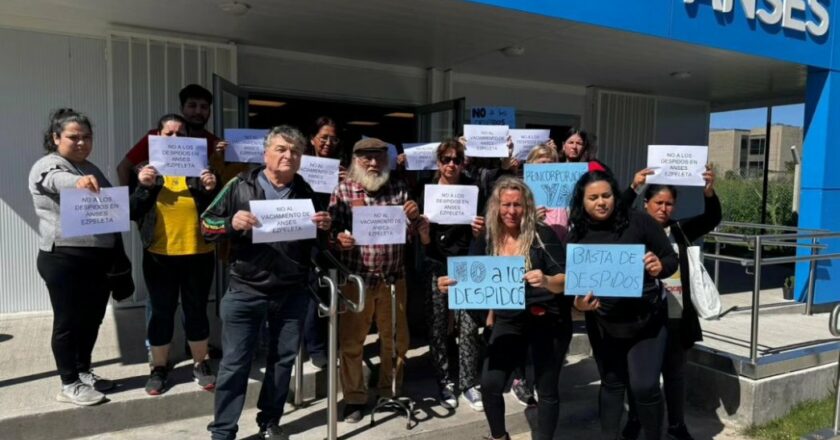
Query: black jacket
{"type": "Point", "coordinates": [687, 231]}
{"type": "Point", "coordinates": [143, 199]}
{"type": "Point", "coordinates": [260, 268]}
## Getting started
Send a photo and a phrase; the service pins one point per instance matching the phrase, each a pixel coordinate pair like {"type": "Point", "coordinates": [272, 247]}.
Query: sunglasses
{"type": "Point", "coordinates": [446, 160]}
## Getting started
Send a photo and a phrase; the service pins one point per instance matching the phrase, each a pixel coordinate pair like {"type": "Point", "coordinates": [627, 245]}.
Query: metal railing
{"type": "Point", "coordinates": [781, 236]}
{"type": "Point", "coordinates": [329, 278]}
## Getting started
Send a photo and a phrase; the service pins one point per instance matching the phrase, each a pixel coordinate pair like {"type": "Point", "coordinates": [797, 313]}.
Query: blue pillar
{"type": "Point", "coordinates": [820, 201]}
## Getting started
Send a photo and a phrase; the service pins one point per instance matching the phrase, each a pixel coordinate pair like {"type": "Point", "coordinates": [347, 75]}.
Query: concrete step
{"type": "Point", "coordinates": [578, 409]}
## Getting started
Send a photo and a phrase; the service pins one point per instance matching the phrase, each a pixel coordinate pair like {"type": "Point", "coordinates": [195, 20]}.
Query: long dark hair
{"type": "Point", "coordinates": [588, 152]}
{"type": "Point", "coordinates": [58, 121]}
{"type": "Point", "coordinates": [579, 220]}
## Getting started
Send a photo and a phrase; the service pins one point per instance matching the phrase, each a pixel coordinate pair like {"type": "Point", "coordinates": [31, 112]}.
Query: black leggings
{"type": "Point", "coordinates": [548, 337]}
{"type": "Point", "coordinates": [75, 278]}
{"type": "Point", "coordinates": [630, 362]}
{"type": "Point", "coordinates": [673, 377]}
{"type": "Point", "coordinates": [170, 277]}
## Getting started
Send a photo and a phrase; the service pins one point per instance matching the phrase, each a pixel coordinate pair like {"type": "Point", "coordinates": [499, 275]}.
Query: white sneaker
{"type": "Point", "coordinates": [473, 398]}
{"type": "Point", "coordinates": [448, 399]}
{"type": "Point", "coordinates": [79, 393]}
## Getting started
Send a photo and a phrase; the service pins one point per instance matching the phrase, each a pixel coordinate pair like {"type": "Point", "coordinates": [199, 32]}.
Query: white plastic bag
{"type": "Point", "coordinates": [704, 295]}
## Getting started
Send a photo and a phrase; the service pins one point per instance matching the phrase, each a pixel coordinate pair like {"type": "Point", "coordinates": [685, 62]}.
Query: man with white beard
{"type": "Point", "coordinates": [368, 183]}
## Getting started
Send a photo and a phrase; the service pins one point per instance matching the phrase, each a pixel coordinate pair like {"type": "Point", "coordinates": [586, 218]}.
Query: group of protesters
{"type": "Point", "coordinates": [192, 226]}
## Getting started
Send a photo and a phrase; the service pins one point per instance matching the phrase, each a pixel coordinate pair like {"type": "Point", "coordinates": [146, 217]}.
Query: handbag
{"type": "Point", "coordinates": [118, 277]}
{"type": "Point", "coordinates": [704, 294]}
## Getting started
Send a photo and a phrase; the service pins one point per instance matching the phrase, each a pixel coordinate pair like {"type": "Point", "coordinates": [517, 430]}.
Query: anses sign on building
{"type": "Point", "coordinates": [792, 14]}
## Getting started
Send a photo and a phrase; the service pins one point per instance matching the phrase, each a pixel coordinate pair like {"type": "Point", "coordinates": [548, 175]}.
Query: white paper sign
{"type": "Point", "coordinates": [379, 225]}
{"type": "Point", "coordinates": [283, 220]}
{"type": "Point", "coordinates": [525, 139]}
{"type": "Point", "coordinates": [85, 212]}
{"type": "Point", "coordinates": [245, 145]}
{"type": "Point", "coordinates": [178, 156]}
{"type": "Point", "coordinates": [677, 164]}
{"type": "Point", "coordinates": [321, 173]}
{"type": "Point", "coordinates": [420, 157]}
{"type": "Point", "coordinates": [486, 140]}
{"type": "Point", "coordinates": [450, 204]}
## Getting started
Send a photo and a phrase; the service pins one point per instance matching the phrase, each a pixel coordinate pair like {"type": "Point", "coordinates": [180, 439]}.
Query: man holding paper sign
{"type": "Point", "coordinates": [627, 334]}
{"type": "Point", "coordinates": [368, 184]}
{"type": "Point", "coordinates": [542, 322]}
{"type": "Point", "coordinates": [268, 279]}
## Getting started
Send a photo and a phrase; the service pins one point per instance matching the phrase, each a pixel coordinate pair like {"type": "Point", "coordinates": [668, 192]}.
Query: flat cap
{"type": "Point", "coordinates": [370, 144]}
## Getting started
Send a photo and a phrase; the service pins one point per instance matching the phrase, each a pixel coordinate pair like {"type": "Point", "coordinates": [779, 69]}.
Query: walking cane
{"type": "Point", "coordinates": [394, 403]}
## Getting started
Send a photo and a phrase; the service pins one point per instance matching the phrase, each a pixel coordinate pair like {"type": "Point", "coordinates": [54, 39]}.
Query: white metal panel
{"type": "Point", "coordinates": [626, 124]}
{"type": "Point", "coordinates": [39, 72]}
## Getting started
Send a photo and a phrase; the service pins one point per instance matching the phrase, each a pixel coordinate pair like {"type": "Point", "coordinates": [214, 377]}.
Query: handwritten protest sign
{"type": "Point", "coordinates": [493, 116]}
{"type": "Point", "coordinates": [487, 283]}
{"type": "Point", "coordinates": [450, 204]}
{"type": "Point", "coordinates": [525, 139]}
{"type": "Point", "coordinates": [178, 156]}
{"type": "Point", "coordinates": [283, 220]}
{"type": "Point", "coordinates": [553, 183]}
{"type": "Point", "coordinates": [85, 212]}
{"type": "Point", "coordinates": [677, 164]}
{"type": "Point", "coordinates": [419, 157]}
{"type": "Point", "coordinates": [321, 173]}
{"type": "Point", "coordinates": [245, 145]}
{"type": "Point", "coordinates": [378, 225]}
{"type": "Point", "coordinates": [486, 140]}
{"type": "Point", "coordinates": [607, 270]}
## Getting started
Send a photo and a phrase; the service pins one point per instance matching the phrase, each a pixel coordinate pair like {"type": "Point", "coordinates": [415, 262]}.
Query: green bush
{"type": "Point", "coordinates": [741, 200]}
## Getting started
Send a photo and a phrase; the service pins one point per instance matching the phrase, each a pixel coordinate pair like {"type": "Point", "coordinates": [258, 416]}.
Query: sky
{"type": "Point", "coordinates": [757, 117]}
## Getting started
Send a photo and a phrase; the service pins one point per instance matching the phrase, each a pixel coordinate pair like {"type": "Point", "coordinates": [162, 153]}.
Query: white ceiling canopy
{"type": "Point", "coordinates": [445, 34]}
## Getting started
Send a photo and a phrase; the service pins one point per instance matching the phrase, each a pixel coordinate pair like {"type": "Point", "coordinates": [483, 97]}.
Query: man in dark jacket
{"type": "Point", "coordinates": [268, 281]}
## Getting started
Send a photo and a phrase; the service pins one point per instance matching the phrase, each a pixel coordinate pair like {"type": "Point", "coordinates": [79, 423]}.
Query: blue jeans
{"type": "Point", "coordinates": [243, 314]}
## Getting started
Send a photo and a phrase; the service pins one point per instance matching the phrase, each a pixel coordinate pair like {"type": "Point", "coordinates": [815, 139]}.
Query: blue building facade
{"type": "Point", "coordinates": [795, 31]}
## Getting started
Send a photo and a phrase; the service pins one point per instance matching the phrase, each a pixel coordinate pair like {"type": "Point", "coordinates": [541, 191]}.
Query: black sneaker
{"type": "Point", "coordinates": [631, 429]}
{"type": "Point", "coordinates": [353, 413]}
{"type": "Point", "coordinates": [679, 432]}
{"type": "Point", "coordinates": [156, 384]}
{"type": "Point", "coordinates": [204, 376]}
{"type": "Point", "coordinates": [273, 432]}
{"type": "Point", "coordinates": [523, 393]}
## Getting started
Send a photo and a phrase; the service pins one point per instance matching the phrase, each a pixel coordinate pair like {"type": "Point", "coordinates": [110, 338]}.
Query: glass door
{"type": "Point", "coordinates": [440, 120]}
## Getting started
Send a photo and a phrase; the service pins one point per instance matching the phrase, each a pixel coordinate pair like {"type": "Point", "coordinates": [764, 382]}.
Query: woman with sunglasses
{"type": "Point", "coordinates": [452, 241]}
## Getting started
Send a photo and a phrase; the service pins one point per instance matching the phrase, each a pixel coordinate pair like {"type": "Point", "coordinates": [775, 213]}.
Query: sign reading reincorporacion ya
{"type": "Point", "coordinates": [794, 15]}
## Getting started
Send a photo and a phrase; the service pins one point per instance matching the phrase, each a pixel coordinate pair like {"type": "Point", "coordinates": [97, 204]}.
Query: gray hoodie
{"type": "Point", "coordinates": [48, 176]}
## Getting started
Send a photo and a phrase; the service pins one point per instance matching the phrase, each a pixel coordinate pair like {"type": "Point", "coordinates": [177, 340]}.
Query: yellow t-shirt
{"type": "Point", "coordinates": [176, 229]}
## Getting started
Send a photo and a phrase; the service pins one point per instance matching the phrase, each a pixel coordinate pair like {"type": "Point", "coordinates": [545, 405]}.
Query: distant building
{"type": "Point", "coordinates": [742, 151]}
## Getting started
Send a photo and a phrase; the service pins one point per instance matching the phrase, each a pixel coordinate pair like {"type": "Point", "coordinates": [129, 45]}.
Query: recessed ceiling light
{"type": "Point", "coordinates": [265, 103]}
{"type": "Point", "coordinates": [681, 75]}
{"type": "Point", "coordinates": [234, 7]}
{"type": "Point", "coordinates": [404, 115]}
{"type": "Point", "coordinates": [252, 114]}
{"type": "Point", "coordinates": [512, 51]}
{"type": "Point", "coordinates": [363, 123]}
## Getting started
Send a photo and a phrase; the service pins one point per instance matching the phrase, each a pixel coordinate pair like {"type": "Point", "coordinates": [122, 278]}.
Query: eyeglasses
{"type": "Point", "coordinates": [447, 159]}
{"type": "Point", "coordinates": [325, 139]}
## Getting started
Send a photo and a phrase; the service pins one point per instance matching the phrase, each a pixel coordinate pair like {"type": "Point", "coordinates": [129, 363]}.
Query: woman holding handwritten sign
{"type": "Point", "coordinates": [74, 268]}
{"type": "Point", "coordinates": [452, 241]}
{"type": "Point", "coordinates": [683, 325]}
{"type": "Point", "coordinates": [544, 325]}
{"type": "Point", "coordinates": [627, 334]}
